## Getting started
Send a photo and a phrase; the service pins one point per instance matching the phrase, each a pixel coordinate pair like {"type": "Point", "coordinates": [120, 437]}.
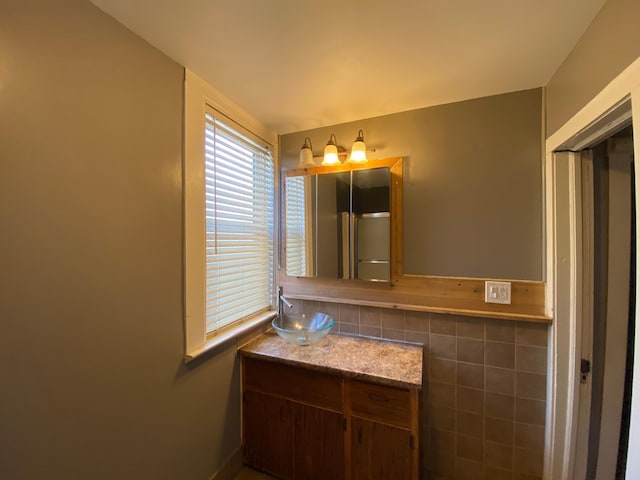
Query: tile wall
{"type": "Point", "coordinates": [485, 387]}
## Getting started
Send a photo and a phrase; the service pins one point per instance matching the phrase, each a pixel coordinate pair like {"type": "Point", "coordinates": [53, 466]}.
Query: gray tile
{"type": "Point", "coordinates": [470, 448]}
{"type": "Point", "coordinates": [533, 334]}
{"type": "Point", "coordinates": [467, 469]}
{"type": "Point", "coordinates": [469, 400]}
{"type": "Point", "coordinates": [442, 346]}
{"type": "Point", "coordinates": [529, 436]}
{"type": "Point", "coordinates": [349, 328]}
{"type": "Point", "coordinates": [531, 385]}
{"type": "Point", "coordinates": [499, 406]}
{"type": "Point", "coordinates": [349, 313]}
{"type": "Point", "coordinates": [529, 462]}
{"type": "Point", "coordinates": [442, 441]}
{"type": "Point", "coordinates": [499, 430]}
{"type": "Point", "coordinates": [498, 455]}
{"type": "Point", "coordinates": [442, 324]}
{"type": "Point", "coordinates": [374, 332]}
{"type": "Point", "coordinates": [391, 334]}
{"type": "Point", "coordinates": [416, 321]}
{"type": "Point", "coordinates": [392, 319]}
{"type": "Point", "coordinates": [329, 308]}
{"type": "Point", "coordinates": [370, 317]}
{"type": "Point", "coordinates": [470, 350]}
{"type": "Point", "coordinates": [493, 473]}
{"type": "Point", "coordinates": [470, 327]}
{"type": "Point", "coordinates": [470, 375]}
{"type": "Point", "coordinates": [500, 330]}
{"type": "Point", "coordinates": [499, 380]}
{"type": "Point", "coordinates": [531, 359]}
{"type": "Point", "coordinates": [470, 424]}
{"type": "Point", "coordinates": [442, 418]}
{"type": "Point", "coordinates": [310, 307]}
{"type": "Point", "coordinates": [499, 354]}
{"type": "Point", "coordinates": [441, 394]}
{"type": "Point", "coordinates": [530, 411]}
{"type": "Point", "coordinates": [416, 337]}
{"type": "Point", "coordinates": [441, 370]}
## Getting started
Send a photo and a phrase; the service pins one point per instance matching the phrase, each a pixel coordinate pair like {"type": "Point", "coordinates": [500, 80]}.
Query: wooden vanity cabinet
{"type": "Point", "coordinates": [304, 438]}
{"type": "Point", "coordinates": [267, 435]}
{"type": "Point", "coordinates": [384, 432]}
{"type": "Point", "coordinates": [303, 424]}
{"type": "Point", "coordinates": [318, 437]}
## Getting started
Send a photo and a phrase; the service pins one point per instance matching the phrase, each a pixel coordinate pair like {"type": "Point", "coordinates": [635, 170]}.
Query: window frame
{"type": "Point", "coordinates": [197, 95]}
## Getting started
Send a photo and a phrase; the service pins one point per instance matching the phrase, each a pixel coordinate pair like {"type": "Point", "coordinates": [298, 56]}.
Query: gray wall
{"type": "Point", "coordinates": [91, 344]}
{"type": "Point", "coordinates": [472, 182]}
{"type": "Point", "coordinates": [609, 45]}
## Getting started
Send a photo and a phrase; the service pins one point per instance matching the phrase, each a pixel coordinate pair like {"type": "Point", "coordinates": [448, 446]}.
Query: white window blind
{"type": "Point", "coordinates": [295, 241]}
{"type": "Point", "coordinates": [239, 210]}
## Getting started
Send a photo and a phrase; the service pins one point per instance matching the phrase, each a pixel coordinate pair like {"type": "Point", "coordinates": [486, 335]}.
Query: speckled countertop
{"type": "Point", "coordinates": [380, 361]}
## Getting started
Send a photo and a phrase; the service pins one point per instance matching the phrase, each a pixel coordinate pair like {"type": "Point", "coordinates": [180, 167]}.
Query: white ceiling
{"type": "Point", "coordinates": [301, 64]}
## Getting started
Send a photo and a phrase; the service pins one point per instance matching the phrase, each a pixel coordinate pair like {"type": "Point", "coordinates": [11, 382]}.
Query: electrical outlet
{"type": "Point", "coordinates": [497, 292]}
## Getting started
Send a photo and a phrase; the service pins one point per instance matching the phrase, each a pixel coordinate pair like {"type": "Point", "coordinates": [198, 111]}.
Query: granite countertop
{"type": "Point", "coordinates": [380, 361]}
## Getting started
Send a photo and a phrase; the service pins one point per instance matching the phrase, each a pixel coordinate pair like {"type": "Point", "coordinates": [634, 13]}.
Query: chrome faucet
{"type": "Point", "coordinates": [282, 300]}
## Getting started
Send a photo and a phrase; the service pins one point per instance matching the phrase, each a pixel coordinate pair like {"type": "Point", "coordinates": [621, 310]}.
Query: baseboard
{"type": "Point", "coordinates": [231, 468]}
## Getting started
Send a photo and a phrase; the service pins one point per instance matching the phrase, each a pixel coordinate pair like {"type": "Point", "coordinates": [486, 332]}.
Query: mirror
{"type": "Point", "coordinates": [338, 221]}
{"type": "Point", "coordinates": [371, 224]}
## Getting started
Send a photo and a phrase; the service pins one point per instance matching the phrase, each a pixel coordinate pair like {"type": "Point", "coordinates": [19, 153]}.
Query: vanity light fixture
{"type": "Point", "coordinates": [306, 154]}
{"type": "Point", "coordinates": [331, 152]}
{"type": "Point", "coordinates": [359, 150]}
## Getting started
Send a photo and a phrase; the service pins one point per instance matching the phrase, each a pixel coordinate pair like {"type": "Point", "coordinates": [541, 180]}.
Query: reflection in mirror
{"type": "Point", "coordinates": [371, 225]}
{"type": "Point", "coordinates": [338, 225]}
{"type": "Point", "coordinates": [300, 225]}
{"type": "Point", "coordinates": [332, 202]}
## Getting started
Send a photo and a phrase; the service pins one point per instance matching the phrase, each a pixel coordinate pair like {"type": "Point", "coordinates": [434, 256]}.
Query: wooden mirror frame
{"type": "Point", "coordinates": [443, 295]}
{"type": "Point", "coordinates": [395, 166]}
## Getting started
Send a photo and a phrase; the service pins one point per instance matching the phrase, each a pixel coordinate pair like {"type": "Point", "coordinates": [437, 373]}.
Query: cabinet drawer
{"type": "Point", "coordinates": [299, 384]}
{"type": "Point", "coordinates": [381, 403]}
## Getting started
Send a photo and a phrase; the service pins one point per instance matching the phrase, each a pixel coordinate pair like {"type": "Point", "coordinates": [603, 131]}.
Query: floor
{"type": "Point", "coordinates": [250, 474]}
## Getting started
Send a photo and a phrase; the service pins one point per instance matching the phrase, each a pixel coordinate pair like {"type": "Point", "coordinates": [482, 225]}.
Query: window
{"type": "Point", "coordinates": [239, 193]}
{"type": "Point", "coordinates": [296, 231]}
{"type": "Point", "coordinates": [229, 223]}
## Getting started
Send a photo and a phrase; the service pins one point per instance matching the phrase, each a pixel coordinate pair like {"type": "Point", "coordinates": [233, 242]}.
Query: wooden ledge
{"type": "Point", "coordinates": [445, 295]}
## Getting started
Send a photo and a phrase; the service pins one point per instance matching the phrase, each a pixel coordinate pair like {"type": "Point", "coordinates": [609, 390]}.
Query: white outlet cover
{"type": "Point", "coordinates": [497, 292]}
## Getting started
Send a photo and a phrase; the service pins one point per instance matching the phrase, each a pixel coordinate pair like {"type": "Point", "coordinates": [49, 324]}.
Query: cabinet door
{"type": "Point", "coordinates": [318, 444]}
{"type": "Point", "coordinates": [267, 434]}
{"type": "Point", "coordinates": [379, 451]}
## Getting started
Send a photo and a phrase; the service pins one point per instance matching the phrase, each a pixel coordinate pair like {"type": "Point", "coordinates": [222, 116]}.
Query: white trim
{"type": "Point", "coordinates": [198, 94]}
{"type": "Point", "coordinates": [563, 355]}
{"type": "Point", "coordinates": [550, 247]}
{"type": "Point", "coordinates": [216, 99]}
{"type": "Point", "coordinates": [617, 90]}
{"type": "Point", "coordinates": [584, 327]}
{"type": "Point", "coordinates": [231, 333]}
{"type": "Point", "coordinates": [194, 112]}
{"type": "Point", "coordinates": [633, 460]}
{"type": "Point", "coordinates": [575, 292]}
{"type": "Point", "coordinates": [558, 455]}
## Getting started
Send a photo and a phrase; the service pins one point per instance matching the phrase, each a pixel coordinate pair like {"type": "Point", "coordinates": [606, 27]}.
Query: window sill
{"type": "Point", "coordinates": [230, 334]}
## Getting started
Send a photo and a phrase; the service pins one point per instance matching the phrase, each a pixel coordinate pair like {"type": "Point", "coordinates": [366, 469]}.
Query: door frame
{"type": "Point", "coordinates": [564, 277]}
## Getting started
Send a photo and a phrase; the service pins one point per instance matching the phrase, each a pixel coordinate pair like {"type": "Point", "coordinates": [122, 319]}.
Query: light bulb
{"type": "Point", "coordinates": [359, 150]}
